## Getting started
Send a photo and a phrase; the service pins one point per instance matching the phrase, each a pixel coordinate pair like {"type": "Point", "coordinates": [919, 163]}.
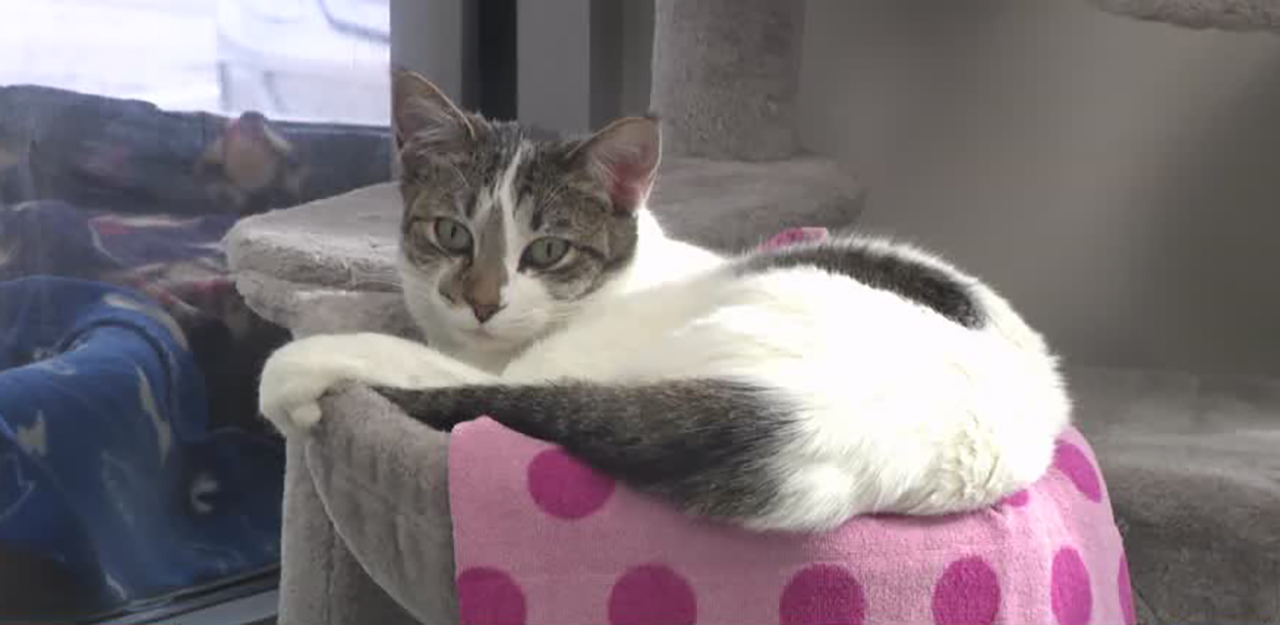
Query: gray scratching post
{"type": "Point", "coordinates": [725, 83]}
{"type": "Point", "coordinates": [725, 77]}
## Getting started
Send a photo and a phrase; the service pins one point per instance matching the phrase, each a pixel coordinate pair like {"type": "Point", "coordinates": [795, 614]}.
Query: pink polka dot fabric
{"type": "Point", "coordinates": [540, 538]}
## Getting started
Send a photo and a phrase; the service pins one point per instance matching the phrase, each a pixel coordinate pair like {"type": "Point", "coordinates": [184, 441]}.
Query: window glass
{"type": "Point", "coordinates": [134, 469]}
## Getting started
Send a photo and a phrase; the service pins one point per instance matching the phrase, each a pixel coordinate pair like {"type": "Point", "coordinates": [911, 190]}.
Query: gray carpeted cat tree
{"type": "Point", "coordinates": [725, 82]}
{"type": "Point", "coordinates": [1235, 15]}
{"type": "Point", "coordinates": [727, 88]}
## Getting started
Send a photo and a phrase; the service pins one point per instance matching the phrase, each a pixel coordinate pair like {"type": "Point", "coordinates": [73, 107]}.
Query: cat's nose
{"type": "Point", "coordinates": [484, 311]}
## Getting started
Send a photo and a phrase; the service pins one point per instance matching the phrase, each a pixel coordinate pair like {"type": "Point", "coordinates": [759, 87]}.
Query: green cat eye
{"type": "Point", "coordinates": [452, 236]}
{"type": "Point", "coordinates": [545, 252]}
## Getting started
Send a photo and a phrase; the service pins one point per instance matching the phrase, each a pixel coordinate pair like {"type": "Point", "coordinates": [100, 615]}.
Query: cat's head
{"type": "Point", "coordinates": [503, 235]}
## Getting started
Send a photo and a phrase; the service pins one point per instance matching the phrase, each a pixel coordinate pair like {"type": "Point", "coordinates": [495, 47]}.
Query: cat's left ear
{"type": "Point", "coordinates": [424, 115]}
{"type": "Point", "coordinates": [623, 157]}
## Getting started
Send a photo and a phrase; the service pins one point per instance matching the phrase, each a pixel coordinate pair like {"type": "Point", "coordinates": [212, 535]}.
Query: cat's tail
{"type": "Point", "coordinates": [704, 444]}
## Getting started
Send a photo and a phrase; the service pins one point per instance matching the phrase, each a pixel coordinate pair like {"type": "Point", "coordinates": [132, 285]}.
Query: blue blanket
{"type": "Point", "coordinates": [108, 463]}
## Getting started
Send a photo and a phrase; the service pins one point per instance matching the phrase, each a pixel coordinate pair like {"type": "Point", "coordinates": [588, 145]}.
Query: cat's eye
{"type": "Point", "coordinates": [545, 252]}
{"type": "Point", "coordinates": [452, 236]}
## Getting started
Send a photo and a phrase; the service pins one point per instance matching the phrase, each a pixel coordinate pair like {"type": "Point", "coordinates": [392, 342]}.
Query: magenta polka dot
{"type": "Point", "coordinates": [487, 596]}
{"type": "Point", "coordinates": [1076, 466]}
{"type": "Point", "coordinates": [968, 593]}
{"type": "Point", "coordinates": [652, 594]}
{"type": "Point", "coordinates": [822, 594]}
{"type": "Point", "coordinates": [1126, 592]}
{"type": "Point", "coordinates": [564, 487]}
{"type": "Point", "coordinates": [1071, 598]}
{"type": "Point", "coordinates": [1017, 500]}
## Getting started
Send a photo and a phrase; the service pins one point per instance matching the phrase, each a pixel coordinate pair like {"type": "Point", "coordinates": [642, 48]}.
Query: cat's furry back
{"type": "Point", "coordinates": [786, 389]}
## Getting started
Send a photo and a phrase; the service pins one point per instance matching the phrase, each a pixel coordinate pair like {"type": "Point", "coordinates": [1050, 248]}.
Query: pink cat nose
{"type": "Point", "coordinates": [483, 311]}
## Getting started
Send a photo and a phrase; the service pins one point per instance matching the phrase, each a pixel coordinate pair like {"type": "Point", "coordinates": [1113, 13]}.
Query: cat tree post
{"type": "Point", "coordinates": [726, 84]}
{"type": "Point", "coordinates": [725, 77]}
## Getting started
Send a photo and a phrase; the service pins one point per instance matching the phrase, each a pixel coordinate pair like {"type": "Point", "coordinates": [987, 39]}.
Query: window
{"type": "Point", "coordinates": [316, 60]}
{"type": "Point", "coordinates": [136, 478]}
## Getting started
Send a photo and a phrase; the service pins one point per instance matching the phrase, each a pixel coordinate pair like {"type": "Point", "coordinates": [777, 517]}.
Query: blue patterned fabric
{"type": "Point", "coordinates": [108, 463]}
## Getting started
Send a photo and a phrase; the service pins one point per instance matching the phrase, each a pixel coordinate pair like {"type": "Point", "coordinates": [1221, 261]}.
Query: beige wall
{"type": "Point", "coordinates": [1119, 180]}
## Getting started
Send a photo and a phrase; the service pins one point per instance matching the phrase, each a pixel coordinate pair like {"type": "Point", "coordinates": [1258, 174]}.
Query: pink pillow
{"type": "Point", "coordinates": [541, 538]}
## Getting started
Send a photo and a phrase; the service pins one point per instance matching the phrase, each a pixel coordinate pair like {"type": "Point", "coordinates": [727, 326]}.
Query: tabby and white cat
{"type": "Point", "coordinates": [788, 389]}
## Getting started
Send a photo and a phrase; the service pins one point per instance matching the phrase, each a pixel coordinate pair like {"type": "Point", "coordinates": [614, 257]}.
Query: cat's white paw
{"type": "Point", "coordinates": [297, 376]}
{"type": "Point", "coordinates": [300, 373]}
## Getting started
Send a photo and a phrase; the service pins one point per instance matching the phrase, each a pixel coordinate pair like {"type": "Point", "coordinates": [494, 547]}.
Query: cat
{"type": "Point", "coordinates": [787, 390]}
{"type": "Point", "coordinates": [251, 167]}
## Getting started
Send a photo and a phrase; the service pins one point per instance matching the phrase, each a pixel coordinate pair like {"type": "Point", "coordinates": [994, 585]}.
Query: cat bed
{"type": "Point", "coordinates": [114, 491]}
{"type": "Point", "coordinates": [369, 537]}
{"type": "Point", "coordinates": [541, 538]}
{"type": "Point", "coordinates": [382, 508]}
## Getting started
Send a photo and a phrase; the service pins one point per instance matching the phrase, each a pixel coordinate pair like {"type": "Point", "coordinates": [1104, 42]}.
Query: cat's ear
{"type": "Point", "coordinates": [426, 118]}
{"type": "Point", "coordinates": [623, 158]}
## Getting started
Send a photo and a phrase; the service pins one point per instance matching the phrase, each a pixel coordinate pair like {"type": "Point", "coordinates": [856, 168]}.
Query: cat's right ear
{"type": "Point", "coordinates": [426, 119]}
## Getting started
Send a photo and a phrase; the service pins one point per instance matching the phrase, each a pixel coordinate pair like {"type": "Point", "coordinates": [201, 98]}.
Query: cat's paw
{"type": "Point", "coordinates": [297, 375]}
{"type": "Point", "coordinates": [300, 373]}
